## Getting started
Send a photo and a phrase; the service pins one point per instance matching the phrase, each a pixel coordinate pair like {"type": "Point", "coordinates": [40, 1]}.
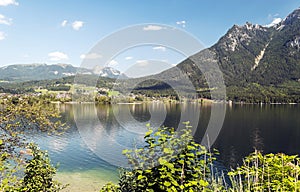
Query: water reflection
{"type": "Point", "coordinates": [270, 128]}
{"type": "Point", "coordinates": [57, 145]}
{"type": "Point", "coordinates": [109, 129]}
{"type": "Point", "coordinates": [257, 140]}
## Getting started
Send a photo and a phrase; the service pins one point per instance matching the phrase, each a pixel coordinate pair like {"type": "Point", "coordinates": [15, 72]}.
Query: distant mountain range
{"type": "Point", "coordinates": [27, 72]}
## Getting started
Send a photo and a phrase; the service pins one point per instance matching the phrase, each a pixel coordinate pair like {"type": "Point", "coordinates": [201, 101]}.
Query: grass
{"type": "Point", "coordinates": [113, 93]}
{"type": "Point", "coordinates": [270, 172]}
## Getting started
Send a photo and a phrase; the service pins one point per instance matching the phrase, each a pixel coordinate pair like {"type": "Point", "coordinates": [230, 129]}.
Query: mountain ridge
{"type": "Point", "coordinates": [42, 71]}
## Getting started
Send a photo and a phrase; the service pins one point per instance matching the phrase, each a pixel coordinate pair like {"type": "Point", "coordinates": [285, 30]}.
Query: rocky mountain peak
{"type": "Point", "coordinates": [292, 18]}
{"type": "Point", "coordinates": [238, 35]}
{"type": "Point", "coordinates": [248, 27]}
{"type": "Point", "coordinates": [108, 72]}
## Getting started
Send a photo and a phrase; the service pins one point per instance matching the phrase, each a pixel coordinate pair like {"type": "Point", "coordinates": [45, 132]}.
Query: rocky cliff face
{"type": "Point", "coordinates": [253, 54]}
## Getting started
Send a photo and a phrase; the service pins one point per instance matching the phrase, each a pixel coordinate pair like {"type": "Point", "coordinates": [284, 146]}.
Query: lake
{"type": "Point", "coordinates": [89, 152]}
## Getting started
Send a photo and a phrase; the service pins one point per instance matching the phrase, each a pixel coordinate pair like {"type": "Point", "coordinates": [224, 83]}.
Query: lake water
{"type": "Point", "coordinates": [90, 150]}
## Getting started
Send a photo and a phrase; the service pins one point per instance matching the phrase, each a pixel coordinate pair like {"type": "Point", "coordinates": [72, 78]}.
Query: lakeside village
{"type": "Point", "coordinates": [85, 94]}
{"type": "Point", "coordinates": [104, 96]}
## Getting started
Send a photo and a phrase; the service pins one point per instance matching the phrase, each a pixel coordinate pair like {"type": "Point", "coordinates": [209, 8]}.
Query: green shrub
{"type": "Point", "coordinates": [269, 172]}
{"type": "Point", "coordinates": [34, 174]}
{"type": "Point", "coordinates": [39, 173]}
{"type": "Point", "coordinates": [170, 161]}
{"type": "Point", "coordinates": [8, 179]}
{"type": "Point", "coordinates": [110, 187]}
{"type": "Point", "coordinates": [20, 115]}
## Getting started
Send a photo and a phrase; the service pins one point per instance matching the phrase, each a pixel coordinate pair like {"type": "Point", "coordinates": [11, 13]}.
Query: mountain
{"type": "Point", "coordinates": [108, 72]}
{"type": "Point", "coordinates": [254, 59]}
{"type": "Point", "coordinates": [268, 56]}
{"type": "Point", "coordinates": [258, 54]}
{"type": "Point", "coordinates": [21, 72]}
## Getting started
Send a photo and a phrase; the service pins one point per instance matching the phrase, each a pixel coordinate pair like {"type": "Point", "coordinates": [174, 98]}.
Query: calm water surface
{"type": "Point", "coordinates": [87, 148]}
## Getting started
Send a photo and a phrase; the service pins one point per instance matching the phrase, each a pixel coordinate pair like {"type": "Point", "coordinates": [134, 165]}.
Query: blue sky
{"type": "Point", "coordinates": [52, 31]}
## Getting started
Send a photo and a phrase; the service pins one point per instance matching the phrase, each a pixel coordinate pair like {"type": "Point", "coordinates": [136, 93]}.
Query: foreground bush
{"type": "Point", "coordinates": [20, 115]}
{"type": "Point", "coordinates": [8, 178]}
{"type": "Point", "coordinates": [36, 173]}
{"type": "Point", "coordinates": [39, 173]}
{"type": "Point", "coordinates": [172, 161]}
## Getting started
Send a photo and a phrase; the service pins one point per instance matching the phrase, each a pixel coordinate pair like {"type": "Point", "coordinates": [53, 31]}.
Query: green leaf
{"type": "Point", "coordinates": [148, 133]}
{"type": "Point", "coordinates": [167, 184]}
{"type": "Point", "coordinates": [162, 161]}
{"type": "Point", "coordinates": [203, 183]}
{"type": "Point", "coordinates": [168, 150]}
{"type": "Point", "coordinates": [140, 177]}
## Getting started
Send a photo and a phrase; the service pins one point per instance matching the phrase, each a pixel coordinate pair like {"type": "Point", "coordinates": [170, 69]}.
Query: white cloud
{"type": "Point", "coordinates": [160, 48]}
{"type": "Point", "coordinates": [90, 56]}
{"type": "Point", "coordinates": [8, 2]}
{"type": "Point", "coordinates": [181, 23]}
{"type": "Point", "coordinates": [142, 63]}
{"type": "Point", "coordinates": [270, 16]}
{"type": "Point", "coordinates": [4, 20]}
{"type": "Point", "coordinates": [113, 63]}
{"type": "Point", "coordinates": [2, 36]}
{"type": "Point", "coordinates": [128, 58]}
{"type": "Point", "coordinates": [152, 28]}
{"type": "Point", "coordinates": [58, 56]}
{"type": "Point", "coordinates": [64, 23]}
{"type": "Point", "coordinates": [274, 22]}
{"type": "Point", "coordinates": [76, 25]}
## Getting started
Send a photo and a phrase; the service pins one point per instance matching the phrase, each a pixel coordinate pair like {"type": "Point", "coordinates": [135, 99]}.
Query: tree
{"type": "Point", "coordinates": [21, 115]}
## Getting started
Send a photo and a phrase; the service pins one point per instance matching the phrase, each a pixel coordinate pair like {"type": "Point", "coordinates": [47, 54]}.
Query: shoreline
{"type": "Point", "coordinates": [87, 181]}
{"type": "Point", "coordinates": [176, 102]}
